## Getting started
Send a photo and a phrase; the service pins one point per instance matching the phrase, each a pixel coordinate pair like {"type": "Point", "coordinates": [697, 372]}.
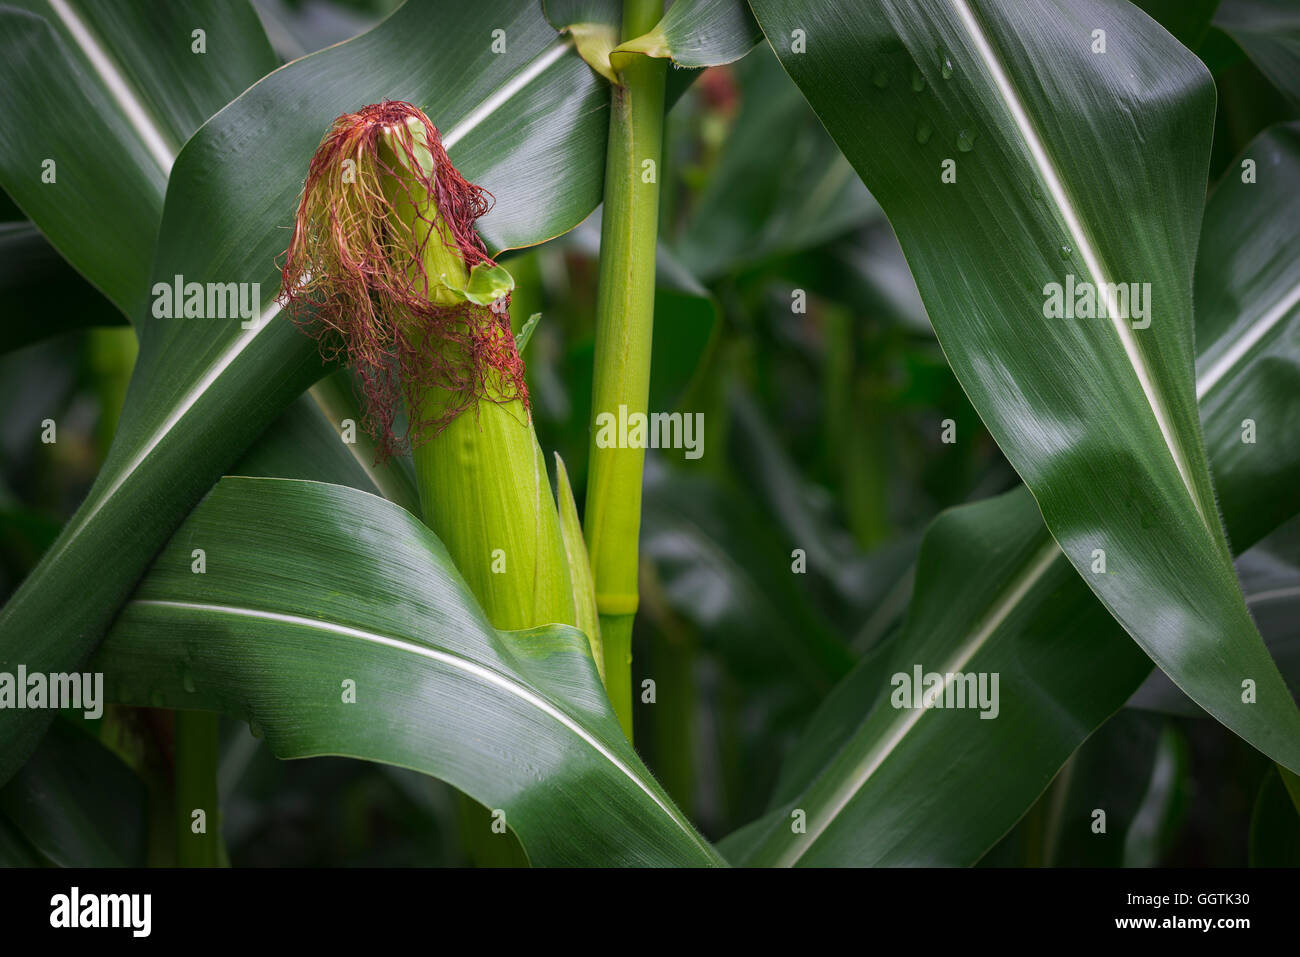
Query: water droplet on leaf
{"type": "Point", "coordinates": [1066, 250]}
{"type": "Point", "coordinates": [923, 130]}
{"type": "Point", "coordinates": [157, 699]}
{"type": "Point", "coordinates": [187, 681]}
{"type": "Point", "coordinates": [918, 81]}
{"type": "Point", "coordinates": [880, 78]}
{"type": "Point", "coordinates": [966, 141]}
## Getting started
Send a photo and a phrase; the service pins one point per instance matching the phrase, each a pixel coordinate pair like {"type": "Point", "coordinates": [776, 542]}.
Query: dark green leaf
{"type": "Point", "coordinates": [1269, 32]}
{"type": "Point", "coordinates": [1098, 415]}
{"type": "Point", "coordinates": [309, 587]}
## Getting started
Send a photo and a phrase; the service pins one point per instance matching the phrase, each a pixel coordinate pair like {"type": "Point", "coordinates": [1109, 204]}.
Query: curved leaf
{"type": "Point", "coordinates": [1098, 181]}
{"type": "Point", "coordinates": [77, 804]}
{"type": "Point", "coordinates": [1270, 576]}
{"type": "Point", "coordinates": [994, 595]}
{"type": "Point", "coordinates": [311, 586]}
{"type": "Point", "coordinates": [1247, 300]}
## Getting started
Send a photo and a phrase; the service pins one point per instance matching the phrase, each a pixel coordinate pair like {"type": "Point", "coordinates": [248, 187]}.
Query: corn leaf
{"type": "Point", "coordinates": [1096, 179]}
{"type": "Point", "coordinates": [313, 591]}
{"type": "Point", "coordinates": [698, 33]}
{"type": "Point", "coordinates": [1269, 32]}
{"type": "Point", "coordinates": [76, 804]}
{"type": "Point", "coordinates": [994, 595]}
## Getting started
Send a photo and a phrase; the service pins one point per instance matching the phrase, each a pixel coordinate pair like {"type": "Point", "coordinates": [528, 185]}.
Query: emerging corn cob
{"type": "Point", "coordinates": [386, 270]}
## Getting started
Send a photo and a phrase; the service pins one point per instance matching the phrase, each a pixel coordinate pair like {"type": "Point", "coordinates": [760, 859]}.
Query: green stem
{"type": "Point", "coordinates": [624, 325]}
{"type": "Point", "coordinates": [196, 790]}
{"type": "Point", "coordinates": [616, 650]}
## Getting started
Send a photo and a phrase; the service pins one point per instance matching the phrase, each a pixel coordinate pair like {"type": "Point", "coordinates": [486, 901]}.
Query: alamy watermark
{"type": "Point", "coordinates": [75, 909]}
{"type": "Point", "coordinates": [953, 689]}
{"type": "Point", "coordinates": [657, 430]}
{"type": "Point", "coordinates": [1086, 300]}
{"type": "Point", "coordinates": [214, 300]}
{"type": "Point", "coordinates": [38, 690]}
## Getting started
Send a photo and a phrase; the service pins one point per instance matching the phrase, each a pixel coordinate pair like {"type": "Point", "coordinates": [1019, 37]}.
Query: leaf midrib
{"type": "Point", "coordinates": [1056, 190]}
{"type": "Point", "coordinates": [156, 142]}
{"type": "Point", "coordinates": [506, 683]}
{"type": "Point", "coordinates": [1246, 341]}
{"type": "Point", "coordinates": [1038, 564]}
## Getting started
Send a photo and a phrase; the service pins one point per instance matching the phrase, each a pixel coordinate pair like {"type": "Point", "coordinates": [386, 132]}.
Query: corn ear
{"type": "Point", "coordinates": [482, 478]}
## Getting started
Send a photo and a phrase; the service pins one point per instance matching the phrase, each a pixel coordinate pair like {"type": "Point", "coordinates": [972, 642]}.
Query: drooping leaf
{"type": "Point", "coordinates": [1047, 189]}
{"type": "Point", "coordinates": [994, 595]}
{"type": "Point", "coordinates": [314, 591]}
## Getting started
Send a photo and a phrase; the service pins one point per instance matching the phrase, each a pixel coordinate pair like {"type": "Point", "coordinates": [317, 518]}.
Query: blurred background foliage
{"type": "Point", "coordinates": [787, 315]}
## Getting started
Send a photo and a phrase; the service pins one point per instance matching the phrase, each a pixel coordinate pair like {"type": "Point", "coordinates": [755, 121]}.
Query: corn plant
{"type": "Point", "coordinates": [900, 468]}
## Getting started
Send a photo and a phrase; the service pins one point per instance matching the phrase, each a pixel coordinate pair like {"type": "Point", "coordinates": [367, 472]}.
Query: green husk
{"type": "Point", "coordinates": [575, 546]}
{"type": "Point", "coordinates": [482, 479]}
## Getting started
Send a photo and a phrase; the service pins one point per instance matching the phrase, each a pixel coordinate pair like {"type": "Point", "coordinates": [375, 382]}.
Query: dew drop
{"type": "Point", "coordinates": [918, 81]}
{"type": "Point", "coordinates": [880, 78]}
{"type": "Point", "coordinates": [945, 65]}
{"type": "Point", "coordinates": [966, 141]}
{"type": "Point", "coordinates": [157, 699]}
{"type": "Point", "coordinates": [187, 681]}
{"type": "Point", "coordinates": [1066, 250]}
{"type": "Point", "coordinates": [923, 130]}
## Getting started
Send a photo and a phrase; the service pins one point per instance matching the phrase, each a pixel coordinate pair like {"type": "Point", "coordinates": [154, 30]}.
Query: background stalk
{"type": "Point", "coordinates": [624, 326]}
{"type": "Point", "coordinates": [196, 788]}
